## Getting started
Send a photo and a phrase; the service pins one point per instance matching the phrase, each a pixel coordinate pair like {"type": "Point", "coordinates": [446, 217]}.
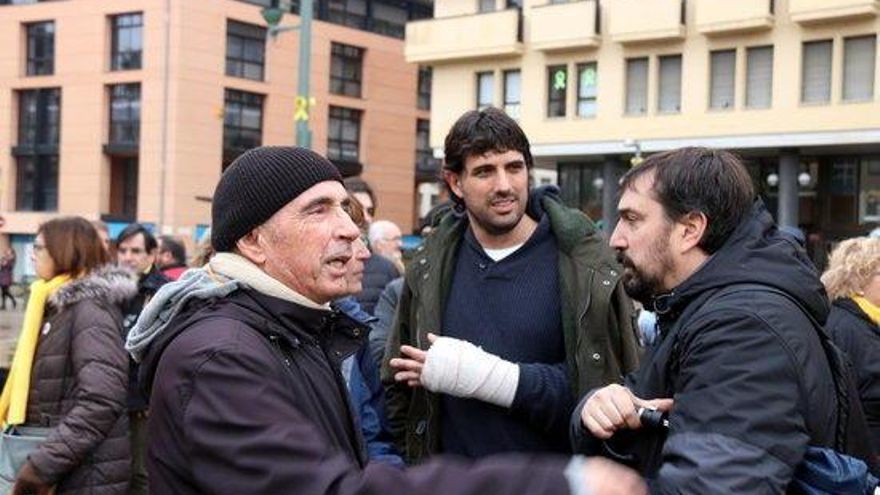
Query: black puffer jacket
{"type": "Point", "coordinates": [247, 397]}
{"type": "Point", "coordinates": [854, 332]}
{"type": "Point", "coordinates": [748, 373]}
{"type": "Point", "coordinates": [78, 387]}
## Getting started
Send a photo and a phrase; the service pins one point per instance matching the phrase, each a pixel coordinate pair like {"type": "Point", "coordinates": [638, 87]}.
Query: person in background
{"type": "Point", "coordinates": [7, 265]}
{"type": "Point", "coordinates": [385, 240]}
{"type": "Point", "coordinates": [853, 284]}
{"type": "Point", "coordinates": [136, 250]}
{"type": "Point", "coordinates": [361, 190]}
{"type": "Point", "coordinates": [77, 383]}
{"type": "Point", "coordinates": [171, 259]}
{"type": "Point", "coordinates": [378, 270]}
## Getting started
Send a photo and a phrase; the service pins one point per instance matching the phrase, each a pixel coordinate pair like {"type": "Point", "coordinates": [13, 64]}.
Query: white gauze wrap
{"type": "Point", "coordinates": [459, 368]}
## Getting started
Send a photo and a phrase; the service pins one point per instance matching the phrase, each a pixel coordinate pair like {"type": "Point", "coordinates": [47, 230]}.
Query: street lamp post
{"type": "Point", "coordinates": [303, 102]}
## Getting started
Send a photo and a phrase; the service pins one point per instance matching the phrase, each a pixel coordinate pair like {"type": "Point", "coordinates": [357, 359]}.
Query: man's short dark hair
{"type": "Point", "coordinates": [175, 247]}
{"type": "Point", "coordinates": [480, 131]}
{"type": "Point", "coordinates": [357, 185]}
{"type": "Point", "coordinates": [709, 181]}
{"type": "Point", "coordinates": [135, 229]}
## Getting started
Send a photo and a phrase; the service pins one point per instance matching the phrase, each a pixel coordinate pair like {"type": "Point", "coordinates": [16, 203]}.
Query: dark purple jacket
{"type": "Point", "coordinates": [247, 397]}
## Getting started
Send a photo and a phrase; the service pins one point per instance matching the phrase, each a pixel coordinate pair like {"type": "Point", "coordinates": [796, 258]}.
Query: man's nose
{"type": "Point", "coordinates": [617, 240]}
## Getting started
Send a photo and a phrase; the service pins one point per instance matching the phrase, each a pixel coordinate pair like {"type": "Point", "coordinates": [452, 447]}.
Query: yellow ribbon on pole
{"type": "Point", "coordinates": [302, 107]}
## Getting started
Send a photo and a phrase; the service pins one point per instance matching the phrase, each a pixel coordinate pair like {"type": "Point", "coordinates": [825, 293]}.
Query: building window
{"type": "Point", "coordinates": [389, 19]}
{"type": "Point", "coordinates": [352, 13]}
{"type": "Point", "coordinates": [587, 89]}
{"type": "Point", "coordinates": [557, 84]}
{"type": "Point", "coordinates": [486, 5]}
{"type": "Point", "coordinates": [242, 124]}
{"type": "Point", "coordinates": [869, 190]}
{"type": "Point", "coordinates": [39, 116]}
{"type": "Point", "coordinates": [759, 77]}
{"type": "Point", "coordinates": [346, 69]}
{"type": "Point", "coordinates": [512, 91]}
{"type": "Point", "coordinates": [637, 86]}
{"type": "Point", "coordinates": [670, 84]}
{"type": "Point", "coordinates": [125, 114]}
{"type": "Point", "coordinates": [816, 72]}
{"type": "Point", "coordinates": [722, 80]}
{"type": "Point", "coordinates": [858, 68]}
{"type": "Point", "coordinates": [426, 164]}
{"type": "Point", "coordinates": [424, 100]}
{"type": "Point", "coordinates": [245, 50]}
{"type": "Point", "coordinates": [485, 89]}
{"type": "Point", "coordinates": [344, 134]}
{"type": "Point", "coordinates": [127, 41]}
{"type": "Point", "coordinates": [40, 48]}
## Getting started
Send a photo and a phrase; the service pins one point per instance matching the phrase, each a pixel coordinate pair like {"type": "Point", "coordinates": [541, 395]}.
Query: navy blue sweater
{"type": "Point", "coordinates": [511, 309]}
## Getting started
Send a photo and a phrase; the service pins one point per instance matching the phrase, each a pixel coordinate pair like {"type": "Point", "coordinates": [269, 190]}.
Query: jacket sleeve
{"type": "Point", "coordinates": [398, 396]}
{"type": "Point", "coordinates": [543, 396]}
{"type": "Point", "coordinates": [623, 314]}
{"type": "Point", "coordinates": [737, 425]}
{"type": "Point", "coordinates": [369, 398]}
{"type": "Point", "coordinates": [260, 443]}
{"type": "Point", "coordinates": [385, 311]}
{"type": "Point", "coordinates": [100, 367]}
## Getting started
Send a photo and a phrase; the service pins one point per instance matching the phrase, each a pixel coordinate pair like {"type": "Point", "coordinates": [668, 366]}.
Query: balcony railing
{"type": "Point", "coordinates": [815, 11]}
{"type": "Point", "coordinates": [489, 34]}
{"type": "Point", "coordinates": [714, 17]}
{"type": "Point", "coordinates": [645, 20]}
{"type": "Point", "coordinates": [559, 26]}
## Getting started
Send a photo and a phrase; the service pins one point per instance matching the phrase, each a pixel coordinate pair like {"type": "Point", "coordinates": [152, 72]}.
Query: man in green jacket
{"type": "Point", "coordinates": [511, 309]}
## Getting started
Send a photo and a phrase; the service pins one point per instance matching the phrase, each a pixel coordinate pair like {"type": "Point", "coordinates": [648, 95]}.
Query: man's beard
{"type": "Point", "coordinates": [485, 221]}
{"type": "Point", "coordinates": [638, 283]}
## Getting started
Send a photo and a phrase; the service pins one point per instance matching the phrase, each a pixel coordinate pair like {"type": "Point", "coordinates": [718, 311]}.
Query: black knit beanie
{"type": "Point", "coordinates": [259, 183]}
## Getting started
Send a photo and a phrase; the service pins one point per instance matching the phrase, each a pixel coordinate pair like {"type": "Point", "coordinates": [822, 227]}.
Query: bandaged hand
{"type": "Point", "coordinates": [459, 368]}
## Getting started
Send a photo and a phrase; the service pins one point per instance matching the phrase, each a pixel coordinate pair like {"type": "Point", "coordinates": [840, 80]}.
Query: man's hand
{"type": "Point", "coordinates": [409, 368]}
{"type": "Point", "coordinates": [28, 482]}
{"type": "Point", "coordinates": [613, 408]}
{"type": "Point", "coordinates": [603, 477]}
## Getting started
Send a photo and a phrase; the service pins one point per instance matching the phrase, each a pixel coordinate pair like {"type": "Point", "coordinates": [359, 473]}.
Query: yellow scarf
{"type": "Point", "coordinates": [869, 308]}
{"type": "Point", "coordinates": [13, 401]}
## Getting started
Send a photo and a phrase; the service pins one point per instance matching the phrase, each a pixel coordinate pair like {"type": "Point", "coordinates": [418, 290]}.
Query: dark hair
{"type": "Point", "coordinates": [135, 229]}
{"type": "Point", "coordinates": [709, 181]}
{"type": "Point", "coordinates": [74, 245]}
{"type": "Point", "coordinates": [480, 131]}
{"type": "Point", "coordinates": [175, 247]}
{"type": "Point", "coordinates": [358, 185]}
{"type": "Point", "coordinates": [356, 212]}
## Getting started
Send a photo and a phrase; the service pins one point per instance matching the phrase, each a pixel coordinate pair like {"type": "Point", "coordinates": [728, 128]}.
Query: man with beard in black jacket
{"type": "Point", "coordinates": [740, 367]}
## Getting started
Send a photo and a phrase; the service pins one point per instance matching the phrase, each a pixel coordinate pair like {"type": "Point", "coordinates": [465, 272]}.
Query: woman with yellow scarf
{"type": "Point", "coordinates": [69, 374]}
{"type": "Point", "coordinates": [853, 284]}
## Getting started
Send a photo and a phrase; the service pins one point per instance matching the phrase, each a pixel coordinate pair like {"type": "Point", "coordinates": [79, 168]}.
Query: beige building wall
{"type": "Point", "coordinates": [182, 100]}
{"type": "Point", "coordinates": [625, 33]}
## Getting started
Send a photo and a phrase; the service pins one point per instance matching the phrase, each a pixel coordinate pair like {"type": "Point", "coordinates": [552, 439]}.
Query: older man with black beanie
{"type": "Point", "coordinates": [242, 357]}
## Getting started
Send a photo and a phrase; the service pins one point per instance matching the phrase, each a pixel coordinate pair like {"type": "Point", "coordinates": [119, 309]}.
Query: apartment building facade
{"type": "Point", "coordinates": [130, 110]}
{"type": "Point", "coordinates": [791, 85]}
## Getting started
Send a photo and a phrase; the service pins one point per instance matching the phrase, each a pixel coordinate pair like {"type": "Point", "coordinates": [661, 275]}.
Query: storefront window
{"type": "Point", "coordinates": [869, 190]}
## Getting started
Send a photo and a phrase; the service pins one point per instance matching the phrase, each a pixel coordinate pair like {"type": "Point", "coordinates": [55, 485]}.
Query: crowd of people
{"type": "Point", "coordinates": [296, 352]}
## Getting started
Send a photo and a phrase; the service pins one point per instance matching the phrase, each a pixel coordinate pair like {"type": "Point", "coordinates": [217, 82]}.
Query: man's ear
{"type": "Point", "coordinates": [694, 225]}
{"type": "Point", "coordinates": [250, 247]}
{"type": "Point", "coordinates": [453, 180]}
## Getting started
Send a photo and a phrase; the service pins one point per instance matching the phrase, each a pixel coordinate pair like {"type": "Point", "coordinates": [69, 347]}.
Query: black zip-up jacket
{"type": "Point", "coordinates": [247, 397]}
{"type": "Point", "coordinates": [750, 380]}
{"type": "Point", "coordinates": [854, 332]}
